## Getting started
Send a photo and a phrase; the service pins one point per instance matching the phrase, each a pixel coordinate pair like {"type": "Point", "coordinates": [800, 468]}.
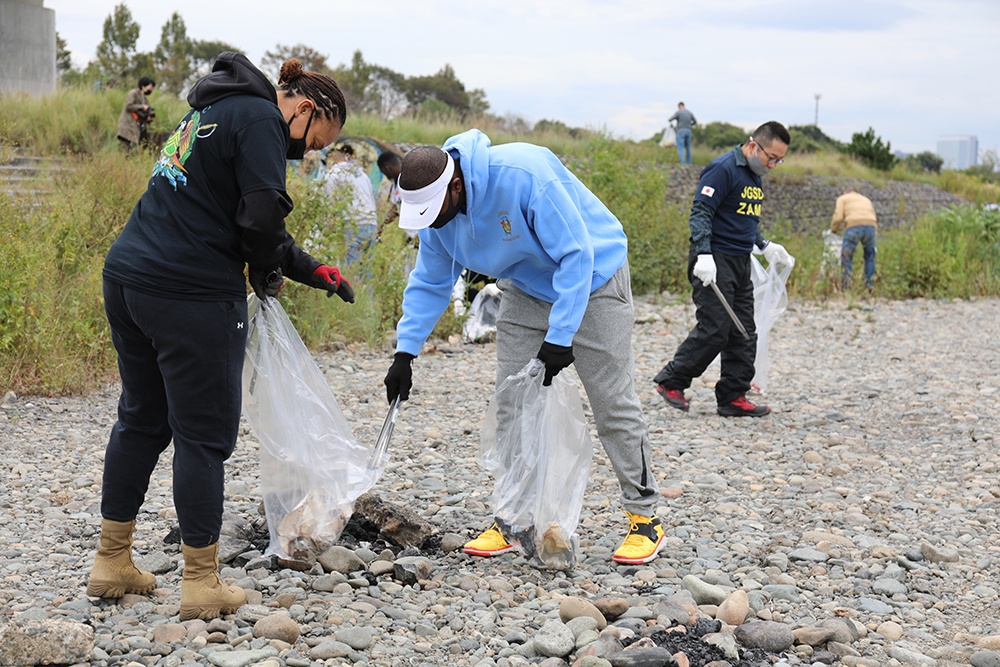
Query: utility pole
{"type": "Point", "coordinates": [816, 120]}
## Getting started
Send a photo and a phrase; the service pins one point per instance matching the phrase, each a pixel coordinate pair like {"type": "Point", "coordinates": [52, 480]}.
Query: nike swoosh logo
{"type": "Point", "coordinates": [423, 211]}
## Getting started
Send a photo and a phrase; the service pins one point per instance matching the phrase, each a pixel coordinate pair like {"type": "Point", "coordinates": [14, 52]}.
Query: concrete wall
{"type": "Point", "coordinates": [27, 47]}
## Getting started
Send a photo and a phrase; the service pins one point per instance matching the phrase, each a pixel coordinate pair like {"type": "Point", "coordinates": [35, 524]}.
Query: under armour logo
{"type": "Point", "coordinates": [239, 325]}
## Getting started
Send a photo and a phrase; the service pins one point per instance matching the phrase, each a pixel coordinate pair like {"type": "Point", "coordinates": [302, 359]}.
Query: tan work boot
{"type": "Point", "coordinates": [114, 574]}
{"type": "Point", "coordinates": [203, 595]}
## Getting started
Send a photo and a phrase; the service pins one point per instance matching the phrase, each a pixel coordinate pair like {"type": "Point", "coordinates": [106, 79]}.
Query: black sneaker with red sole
{"type": "Point", "coordinates": [741, 407]}
{"type": "Point", "coordinates": [674, 397]}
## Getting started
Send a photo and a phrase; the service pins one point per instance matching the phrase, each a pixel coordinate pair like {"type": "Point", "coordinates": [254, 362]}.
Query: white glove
{"type": "Point", "coordinates": [775, 253]}
{"type": "Point", "coordinates": [704, 269]}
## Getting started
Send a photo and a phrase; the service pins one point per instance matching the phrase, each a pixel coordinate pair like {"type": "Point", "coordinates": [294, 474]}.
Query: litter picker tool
{"type": "Point", "coordinates": [382, 443]}
{"type": "Point", "coordinates": [729, 310]}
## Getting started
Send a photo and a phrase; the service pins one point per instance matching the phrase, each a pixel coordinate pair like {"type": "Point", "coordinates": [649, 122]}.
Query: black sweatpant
{"type": "Point", "coordinates": [715, 332]}
{"type": "Point", "coordinates": [181, 366]}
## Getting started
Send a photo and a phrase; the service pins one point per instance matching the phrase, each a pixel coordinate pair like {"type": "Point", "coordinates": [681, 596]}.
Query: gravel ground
{"type": "Point", "coordinates": [869, 496]}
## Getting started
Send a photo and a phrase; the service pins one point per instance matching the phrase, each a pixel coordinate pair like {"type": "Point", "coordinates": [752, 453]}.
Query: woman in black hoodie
{"type": "Point", "coordinates": [175, 296]}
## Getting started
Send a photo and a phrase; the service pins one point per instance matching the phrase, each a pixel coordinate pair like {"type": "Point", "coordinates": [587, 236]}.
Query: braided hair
{"type": "Point", "coordinates": [319, 88]}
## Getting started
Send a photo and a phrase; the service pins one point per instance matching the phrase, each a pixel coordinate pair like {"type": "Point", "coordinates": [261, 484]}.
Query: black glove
{"type": "Point", "coordinates": [329, 278]}
{"type": "Point", "coordinates": [265, 282]}
{"type": "Point", "coordinates": [555, 358]}
{"type": "Point", "coordinates": [399, 379]}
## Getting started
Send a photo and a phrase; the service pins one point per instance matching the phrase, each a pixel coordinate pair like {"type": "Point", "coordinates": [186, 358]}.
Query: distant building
{"type": "Point", "coordinates": [27, 47]}
{"type": "Point", "coordinates": [959, 151]}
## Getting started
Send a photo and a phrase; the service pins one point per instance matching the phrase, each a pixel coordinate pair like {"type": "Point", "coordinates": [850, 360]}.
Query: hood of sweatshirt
{"type": "Point", "coordinates": [472, 149]}
{"type": "Point", "coordinates": [232, 74]}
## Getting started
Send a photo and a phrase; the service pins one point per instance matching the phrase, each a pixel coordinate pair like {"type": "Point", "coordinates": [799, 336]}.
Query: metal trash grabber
{"type": "Point", "coordinates": [382, 443]}
{"type": "Point", "coordinates": [729, 310]}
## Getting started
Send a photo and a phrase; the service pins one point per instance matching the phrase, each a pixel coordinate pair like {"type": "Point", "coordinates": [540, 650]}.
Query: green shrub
{"type": "Point", "coordinates": [869, 148]}
{"type": "Point", "coordinates": [636, 193]}
{"type": "Point", "coordinates": [953, 253]}
{"type": "Point", "coordinates": [718, 136]}
{"type": "Point", "coordinates": [811, 139]}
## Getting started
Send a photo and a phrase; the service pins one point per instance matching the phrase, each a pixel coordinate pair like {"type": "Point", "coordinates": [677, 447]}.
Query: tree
{"type": "Point", "coordinates": [173, 56]}
{"type": "Point", "coordinates": [311, 59]}
{"type": "Point", "coordinates": [204, 53]}
{"type": "Point", "coordinates": [432, 109]}
{"type": "Point", "coordinates": [557, 127]}
{"type": "Point", "coordinates": [811, 139]}
{"type": "Point", "coordinates": [925, 162]}
{"type": "Point", "coordinates": [443, 87]}
{"type": "Point", "coordinates": [64, 61]}
{"type": "Point", "coordinates": [372, 88]}
{"type": "Point", "coordinates": [718, 135]}
{"type": "Point", "coordinates": [354, 80]}
{"type": "Point", "coordinates": [477, 102]}
{"type": "Point", "coordinates": [868, 148]}
{"type": "Point", "coordinates": [988, 168]}
{"type": "Point", "coordinates": [386, 92]}
{"type": "Point", "coordinates": [116, 52]}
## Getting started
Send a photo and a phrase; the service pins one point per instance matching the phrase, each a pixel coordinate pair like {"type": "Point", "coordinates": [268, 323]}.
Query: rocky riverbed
{"type": "Point", "coordinates": [856, 525]}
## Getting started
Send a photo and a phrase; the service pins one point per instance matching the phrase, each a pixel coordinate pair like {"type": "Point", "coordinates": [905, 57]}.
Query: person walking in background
{"type": "Point", "coordinates": [346, 181]}
{"type": "Point", "coordinates": [682, 121]}
{"type": "Point", "coordinates": [515, 212]}
{"type": "Point", "coordinates": [855, 214]}
{"type": "Point", "coordinates": [725, 229]}
{"type": "Point", "coordinates": [135, 114]}
{"type": "Point", "coordinates": [175, 297]}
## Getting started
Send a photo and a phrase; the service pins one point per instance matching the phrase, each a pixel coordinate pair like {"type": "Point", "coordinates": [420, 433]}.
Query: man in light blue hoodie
{"type": "Point", "coordinates": [515, 212]}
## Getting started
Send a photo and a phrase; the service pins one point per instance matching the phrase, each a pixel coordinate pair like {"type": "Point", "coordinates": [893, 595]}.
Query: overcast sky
{"type": "Point", "coordinates": [912, 69]}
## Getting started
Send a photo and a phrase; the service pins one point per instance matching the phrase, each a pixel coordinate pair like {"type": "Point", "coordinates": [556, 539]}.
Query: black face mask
{"type": "Point", "coordinates": [297, 147]}
{"type": "Point", "coordinates": [448, 215]}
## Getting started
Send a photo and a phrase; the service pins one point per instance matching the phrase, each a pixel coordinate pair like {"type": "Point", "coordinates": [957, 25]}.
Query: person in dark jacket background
{"type": "Point", "coordinates": [175, 296]}
{"type": "Point", "coordinates": [135, 114]}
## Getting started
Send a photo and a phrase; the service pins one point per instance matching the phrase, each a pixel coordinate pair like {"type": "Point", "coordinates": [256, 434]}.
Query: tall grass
{"type": "Point", "coordinates": [53, 333]}
{"type": "Point", "coordinates": [75, 120]}
{"type": "Point", "coordinates": [952, 253]}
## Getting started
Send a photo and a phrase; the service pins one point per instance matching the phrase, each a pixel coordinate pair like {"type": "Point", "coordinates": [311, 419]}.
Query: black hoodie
{"type": "Point", "coordinates": [216, 200]}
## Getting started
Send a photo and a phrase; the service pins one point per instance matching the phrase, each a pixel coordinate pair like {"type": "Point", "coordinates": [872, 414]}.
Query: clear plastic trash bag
{"type": "Point", "coordinates": [832, 246]}
{"type": "Point", "coordinates": [482, 321]}
{"type": "Point", "coordinates": [770, 298]}
{"type": "Point", "coordinates": [536, 442]}
{"type": "Point", "coordinates": [669, 137]}
{"type": "Point", "coordinates": [312, 468]}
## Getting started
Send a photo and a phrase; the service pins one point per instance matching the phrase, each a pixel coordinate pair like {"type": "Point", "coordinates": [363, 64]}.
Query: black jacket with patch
{"type": "Point", "coordinates": [216, 199]}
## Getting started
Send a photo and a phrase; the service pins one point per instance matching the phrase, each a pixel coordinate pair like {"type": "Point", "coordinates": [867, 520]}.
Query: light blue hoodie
{"type": "Point", "coordinates": [527, 219]}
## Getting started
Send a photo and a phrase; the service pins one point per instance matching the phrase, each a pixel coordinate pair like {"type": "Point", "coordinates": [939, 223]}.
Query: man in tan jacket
{"type": "Point", "coordinates": [856, 216]}
{"type": "Point", "coordinates": [135, 114]}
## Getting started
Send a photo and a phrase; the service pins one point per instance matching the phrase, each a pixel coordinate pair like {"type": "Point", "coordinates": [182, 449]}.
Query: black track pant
{"type": "Point", "coordinates": [181, 366]}
{"type": "Point", "coordinates": [715, 332]}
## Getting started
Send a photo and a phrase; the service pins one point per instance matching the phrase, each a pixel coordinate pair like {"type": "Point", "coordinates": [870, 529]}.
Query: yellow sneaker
{"type": "Point", "coordinates": [643, 542]}
{"type": "Point", "coordinates": [490, 543]}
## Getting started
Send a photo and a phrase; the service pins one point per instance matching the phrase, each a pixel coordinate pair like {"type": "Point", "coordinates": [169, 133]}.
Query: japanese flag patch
{"type": "Point", "coordinates": [708, 191]}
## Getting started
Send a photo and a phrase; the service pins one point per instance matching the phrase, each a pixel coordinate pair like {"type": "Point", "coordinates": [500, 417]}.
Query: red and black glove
{"type": "Point", "coordinates": [329, 278]}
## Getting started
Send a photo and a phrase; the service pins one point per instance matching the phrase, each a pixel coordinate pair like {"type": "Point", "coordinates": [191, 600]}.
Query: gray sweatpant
{"type": "Point", "coordinates": [602, 347]}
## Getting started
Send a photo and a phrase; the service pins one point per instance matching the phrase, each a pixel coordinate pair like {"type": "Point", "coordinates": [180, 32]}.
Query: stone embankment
{"type": "Point", "coordinates": [806, 203]}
